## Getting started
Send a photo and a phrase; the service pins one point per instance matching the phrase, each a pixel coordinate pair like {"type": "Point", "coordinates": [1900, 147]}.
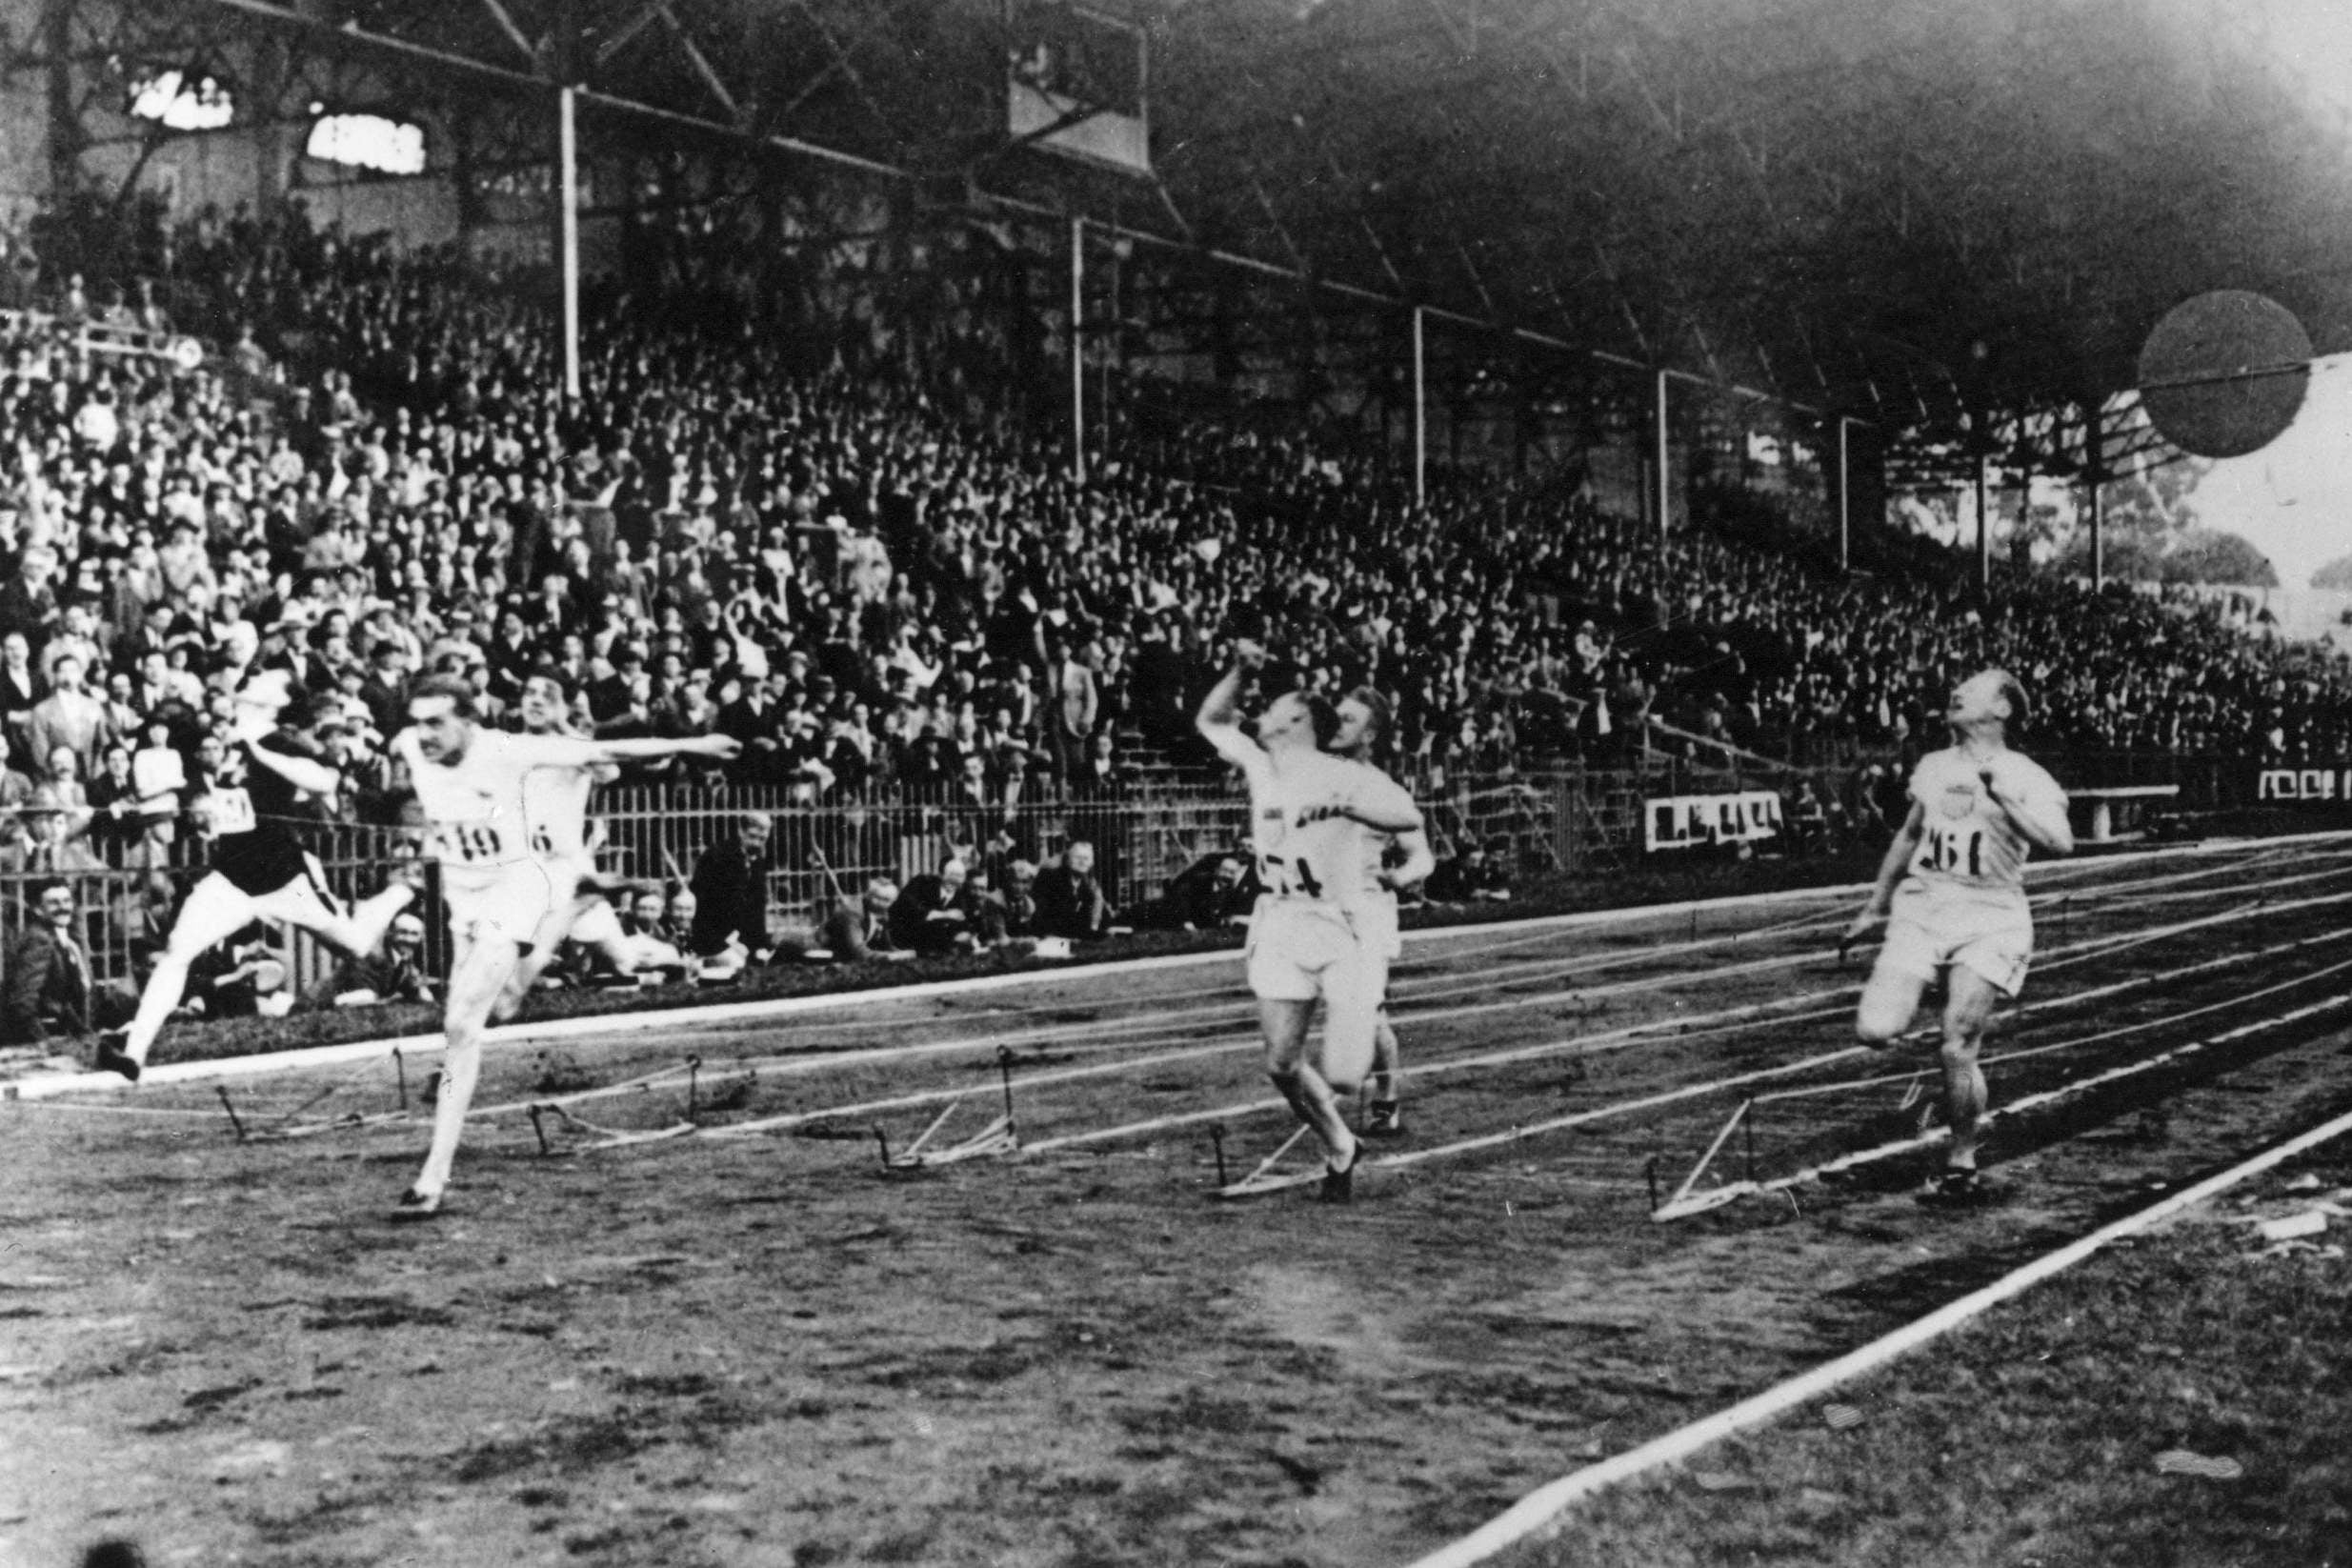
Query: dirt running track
{"type": "Point", "coordinates": [763, 1347]}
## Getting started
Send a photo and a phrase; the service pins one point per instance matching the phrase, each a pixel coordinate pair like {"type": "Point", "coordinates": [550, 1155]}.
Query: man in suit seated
{"type": "Point", "coordinates": [850, 931]}
{"type": "Point", "coordinates": [393, 975]}
{"type": "Point", "coordinates": [1070, 898]}
{"type": "Point", "coordinates": [1210, 894]}
{"type": "Point", "coordinates": [1470, 876]}
{"type": "Point", "coordinates": [931, 915]}
{"type": "Point", "coordinates": [50, 997]}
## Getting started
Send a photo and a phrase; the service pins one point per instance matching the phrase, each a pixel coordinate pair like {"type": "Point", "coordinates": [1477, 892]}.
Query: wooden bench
{"type": "Point", "coordinates": [2103, 804]}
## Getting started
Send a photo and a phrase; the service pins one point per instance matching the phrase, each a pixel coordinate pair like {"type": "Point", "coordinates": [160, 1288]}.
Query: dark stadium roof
{"type": "Point", "coordinates": [1890, 208]}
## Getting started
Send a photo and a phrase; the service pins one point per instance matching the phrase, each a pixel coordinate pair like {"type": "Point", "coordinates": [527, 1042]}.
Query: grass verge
{"type": "Point", "coordinates": [2036, 1436]}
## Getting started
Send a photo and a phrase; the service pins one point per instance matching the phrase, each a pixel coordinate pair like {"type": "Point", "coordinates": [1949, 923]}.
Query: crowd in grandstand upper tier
{"type": "Point", "coordinates": [374, 475]}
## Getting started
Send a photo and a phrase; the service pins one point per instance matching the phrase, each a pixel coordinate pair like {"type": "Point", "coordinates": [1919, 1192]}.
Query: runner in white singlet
{"type": "Point", "coordinates": [1363, 723]}
{"type": "Point", "coordinates": [471, 783]}
{"type": "Point", "coordinates": [1952, 890]}
{"type": "Point", "coordinates": [1315, 822]}
{"type": "Point", "coordinates": [555, 818]}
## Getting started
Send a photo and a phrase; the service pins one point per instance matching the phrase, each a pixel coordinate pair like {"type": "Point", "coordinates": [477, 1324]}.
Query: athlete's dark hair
{"type": "Point", "coordinates": [2020, 708]}
{"type": "Point", "coordinates": [459, 692]}
{"type": "Point", "coordinates": [1324, 717]}
{"type": "Point", "coordinates": [308, 712]}
{"type": "Point", "coordinates": [1383, 713]}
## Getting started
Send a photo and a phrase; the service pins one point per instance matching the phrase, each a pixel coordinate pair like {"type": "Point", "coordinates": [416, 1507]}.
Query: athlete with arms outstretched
{"type": "Point", "coordinates": [555, 818]}
{"type": "Point", "coordinates": [471, 784]}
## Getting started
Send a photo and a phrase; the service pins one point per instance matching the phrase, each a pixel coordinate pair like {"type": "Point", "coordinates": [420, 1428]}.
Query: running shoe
{"type": "Point", "coordinates": [111, 1058]}
{"type": "Point", "coordinates": [1383, 1118]}
{"type": "Point", "coordinates": [415, 1205]}
{"type": "Point", "coordinates": [1339, 1185]}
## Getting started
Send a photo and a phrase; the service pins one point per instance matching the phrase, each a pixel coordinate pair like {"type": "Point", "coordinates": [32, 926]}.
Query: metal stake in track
{"type": "Point", "coordinates": [1004, 1067]}
{"type": "Point", "coordinates": [230, 1106]}
{"type": "Point", "coordinates": [1683, 1203]}
{"type": "Point", "coordinates": [400, 1070]}
{"type": "Point", "coordinates": [1249, 1184]}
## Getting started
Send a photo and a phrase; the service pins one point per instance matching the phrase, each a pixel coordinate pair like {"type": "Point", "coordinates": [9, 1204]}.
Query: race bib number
{"type": "Point", "coordinates": [1288, 875]}
{"type": "Point", "coordinates": [1955, 852]}
{"type": "Point", "coordinates": [473, 843]}
{"type": "Point", "coordinates": [230, 811]}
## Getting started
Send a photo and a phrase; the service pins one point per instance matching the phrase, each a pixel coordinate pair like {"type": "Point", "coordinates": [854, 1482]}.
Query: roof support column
{"type": "Point", "coordinates": [2095, 481]}
{"type": "Point", "coordinates": [1421, 411]}
{"type": "Point", "coordinates": [567, 235]}
{"type": "Point", "coordinates": [1845, 496]}
{"type": "Point", "coordinates": [1077, 350]}
{"type": "Point", "coordinates": [1984, 510]}
{"type": "Point", "coordinates": [1665, 508]}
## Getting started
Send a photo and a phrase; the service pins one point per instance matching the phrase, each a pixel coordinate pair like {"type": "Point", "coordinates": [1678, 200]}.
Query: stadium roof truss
{"type": "Point", "coordinates": [1956, 218]}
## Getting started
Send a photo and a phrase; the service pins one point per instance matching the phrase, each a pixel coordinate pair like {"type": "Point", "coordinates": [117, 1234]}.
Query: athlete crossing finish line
{"type": "Point", "coordinates": [501, 891]}
{"type": "Point", "coordinates": [1977, 811]}
{"type": "Point", "coordinates": [1318, 824]}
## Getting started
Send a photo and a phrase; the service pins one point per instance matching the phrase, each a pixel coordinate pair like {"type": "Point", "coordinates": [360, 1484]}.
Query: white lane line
{"type": "Point", "coordinates": [1543, 1506]}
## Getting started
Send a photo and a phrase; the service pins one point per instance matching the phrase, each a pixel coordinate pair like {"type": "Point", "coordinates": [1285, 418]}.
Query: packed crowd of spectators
{"type": "Point", "coordinates": [373, 474]}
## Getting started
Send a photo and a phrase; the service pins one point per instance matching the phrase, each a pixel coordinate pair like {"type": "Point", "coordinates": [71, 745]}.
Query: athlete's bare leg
{"type": "Point", "coordinates": [216, 910]}
{"type": "Point", "coordinates": [1284, 1023]}
{"type": "Point", "coordinates": [1889, 1003]}
{"type": "Point", "coordinates": [1966, 1013]}
{"type": "Point", "coordinates": [362, 930]}
{"type": "Point", "coordinates": [1382, 1117]}
{"type": "Point", "coordinates": [474, 985]}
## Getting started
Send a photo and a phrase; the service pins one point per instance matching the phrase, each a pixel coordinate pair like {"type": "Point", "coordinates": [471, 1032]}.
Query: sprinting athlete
{"type": "Point", "coordinates": [1315, 824]}
{"type": "Point", "coordinates": [470, 782]}
{"type": "Point", "coordinates": [1364, 718]}
{"type": "Point", "coordinates": [260, 870]}
{"type": "Point", "coordinates": [1952, 891]}
{"type": "Point", "coordinates": [555, 822]}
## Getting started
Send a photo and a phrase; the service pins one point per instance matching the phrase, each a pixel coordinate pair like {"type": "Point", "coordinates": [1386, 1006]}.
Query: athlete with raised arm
{"type": "Point", "coordinates": [1317, 822]}
{"type": "Point", "coordinates": [555, 815]}
{"type": "Point", "coordinates": [1951, 892]}
{"type": "Point", "coordinates": [260, 869]}
{"type": "Point", "coordinates": [471, 783]}
{"type": "Point", "coordinates": [1364, 718]}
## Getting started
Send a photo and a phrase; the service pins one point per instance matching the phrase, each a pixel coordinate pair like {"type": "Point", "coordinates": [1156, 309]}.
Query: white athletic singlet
{"type": "Point", "coordinates": [1302, 854]}
{"type": "Point", "coordinates": [1969, 849]}
{"type": "Point", "coordinates": [480, 809]}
